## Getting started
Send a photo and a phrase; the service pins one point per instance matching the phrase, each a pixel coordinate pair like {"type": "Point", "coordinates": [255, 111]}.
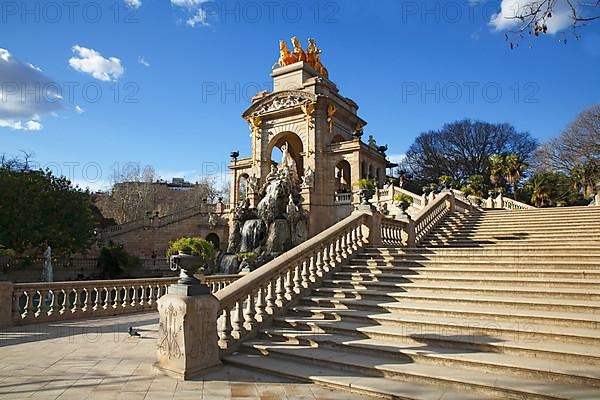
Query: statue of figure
{"type": "Point", "coordinates": [288, 163]}
{"type": "Point", "coordinates": [292, 209]}
{"type": "Point", "coordinates": [212, 220]}
{"type": "Point", "coordinates": [313, 57]}
{"type": "Point", "coordinates": [48, 272]}
{"type": "Point", "coordinates": [285, 55]}
{"type": "Point", "coordinates": [255, 122]}
{"type": "Point", "coordinates": [251, 184]}
{"type": "Point", "coordinates": [372, 142]}
{"type": "Point", "coordinates": [308, 180]}
{"type": "Point", "coordinates": [299, 54]}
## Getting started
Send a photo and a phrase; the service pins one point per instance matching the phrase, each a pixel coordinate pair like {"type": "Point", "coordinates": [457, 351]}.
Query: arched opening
{"type": "Point", "coordinates": [242, 187]}
{"type": "Point", "coordinates": [363, 170]}
{"type": "Point", "coordinates": [371, 174]}
{"type": "Point", "coordinates": [295, 149]}
{"type": "Point", "coordinates": [214, 239]}
{"type": "Point", "coordinates": [378, 176]}
{"type": "Point", "coordinates": [342, 177]}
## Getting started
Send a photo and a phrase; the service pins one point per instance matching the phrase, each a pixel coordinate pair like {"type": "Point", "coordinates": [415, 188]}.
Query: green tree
{"type": "Point", "coordinates": [548, 189]}
{"type": "Point", "coordinates": [38, 209]}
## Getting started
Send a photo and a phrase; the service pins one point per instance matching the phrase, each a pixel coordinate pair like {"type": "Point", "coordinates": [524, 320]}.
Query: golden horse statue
{"type": "Point", "coordinates": [312, 56]}
{"type": "Point", "coordinates": [285, 55]}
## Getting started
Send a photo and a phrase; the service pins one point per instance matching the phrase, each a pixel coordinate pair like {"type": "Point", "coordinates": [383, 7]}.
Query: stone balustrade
{"type": "Point", "coordinates": [44, 302]}
{"type": "Point", "coordinates": [395, 232]}
{"type": "Point", "coordinates": [511, 204]}
{"type": "Point", "coordinates": [343, 198]}
{"type": "Point", "coordinates": [427, 218]}
{"type": "Point", "coordinates": [264, 293]}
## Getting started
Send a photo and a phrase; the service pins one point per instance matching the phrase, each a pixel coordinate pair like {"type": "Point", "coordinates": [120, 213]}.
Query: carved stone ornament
{"type": "Point", "coordinates": [169, 331]}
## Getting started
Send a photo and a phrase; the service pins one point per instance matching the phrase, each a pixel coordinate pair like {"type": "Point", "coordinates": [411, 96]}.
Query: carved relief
{"type": "Point", "coordinates": [168, 331]}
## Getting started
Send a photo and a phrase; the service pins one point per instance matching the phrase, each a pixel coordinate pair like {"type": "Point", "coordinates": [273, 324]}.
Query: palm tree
{"type": "Point", "coordinates": [497, 169]}
{"type": "Point", "coordinates": [540, 194]}
{"type": "Point", "coordinates": [514, 168]}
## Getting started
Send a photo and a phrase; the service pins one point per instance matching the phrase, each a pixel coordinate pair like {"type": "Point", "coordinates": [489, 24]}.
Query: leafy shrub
{"type": "Point", "coordinates": [193, 246]}
{"type": "Point", "coordinates": [115, 262]}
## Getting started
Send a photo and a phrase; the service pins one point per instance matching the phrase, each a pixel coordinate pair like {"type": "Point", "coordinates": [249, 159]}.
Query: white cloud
{"type": "Point", "coordinates": [198, 18]}
{"type": "Point", "coordinates": [91, 62]}
{"type": "Point", "coordinates": [196, 14]}
{"type": "Point", "coordinates": [16, 125]}
{"type": "Point", "coordinates": [25, 95]}
{"type": "Point", "coordinates": [143, 61]}
{"type": "Point", "coordinates": [509, 9]}
{"type": "Point", "coordinates": [79, 110]}
{"type": "Point", "coordinates": [30, 65]}
{"type": "Point", "coordinates": [4, 55]}
{"type": "Point", "coordinates": [134, 3]}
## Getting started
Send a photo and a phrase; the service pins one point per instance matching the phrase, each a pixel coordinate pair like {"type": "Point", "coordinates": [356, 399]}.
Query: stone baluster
{"type": "Point", "coordinates": [326, 260]}
{"type": "Point", "coordinates": [88, 300]}
{"type": "Point", "coordinates": [225, 337]}
{"type": "Point", "coordinates": [118, 298]}
{"type": "Point", "coordinates": [289, 286]}
{"type": "Point", "coordinates": [98, 299]}
{"type": "Point", "coordinates": [332, 254]}
{"type": "Point", "coordinates": [279, 291]}
{"type": "Point", "coordinates": [250, 313]}
{"type": "Point", "coordinates": [305, 274]}
{"type": "Point", "coordinates": [42, 308]}
{"type": "Point", "coordinates": [319, 264]}
{"type": "Point", "coordinates": [312, 269]}
{"type": "Point", "coordinates": [270, 299]}
{"type": "Point", "coordinates": [107, 298]}
{"type": "Point", "coordinates": [237, 320]}
{"type": "Point", "coordinates": [260, 304]}
{"type": "Point", "coordinates": [338, 250]}
{"type": "Point", "coordinates": [52, 305]}
{"type": "Point", "coordinates": [344, 246]}
{"type": "Point", "coordinates": [141, 296]}
{"type": "Point", "coordinates": [298, 278]}
{"type": "Point", "coordinates": [64, 303]}
{"type": "Point", "coordinates": [74, 307]}
{"type": "Point", "coordinates": [354, 239]}
{"type": "Point", "coordinates": [359, 235]}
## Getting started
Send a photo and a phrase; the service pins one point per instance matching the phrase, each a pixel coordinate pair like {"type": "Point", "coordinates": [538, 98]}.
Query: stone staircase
{"type": "Point", "coordinates": [496, 304]}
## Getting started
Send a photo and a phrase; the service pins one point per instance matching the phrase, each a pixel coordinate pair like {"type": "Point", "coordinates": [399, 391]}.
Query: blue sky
{"type": "Point", "coordinates": [143, 85]}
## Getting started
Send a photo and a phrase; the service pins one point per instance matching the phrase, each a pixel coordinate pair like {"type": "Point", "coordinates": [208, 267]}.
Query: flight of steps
{"type": "Point", "coordinates": [498, 305]}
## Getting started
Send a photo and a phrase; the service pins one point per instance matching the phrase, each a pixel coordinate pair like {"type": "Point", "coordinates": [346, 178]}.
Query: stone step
{"type": "Point", "coordinates": [550, 251]}
{"type": "Point", "coordinates": [520, 304]}
{"type": "Point", "coordinates": [413, 324]}
{"type": "Point", "coordinates": [488, 265]}
{"type": "Point", "coordinates": [450, 357]}
{"type": "Point", "coordinates": [466, 290]}
{"type": "Point", "coordinates": [524, 242]}
{"type": "Point", "coordinates": [350, 381]}
{"type": "Point", "coordinates": [489, 384]}
{"type": "Point", "coordinates": [489, 312]}
{"type": "Point", "coordinates": [480, 280]}
{"type": "Point", "coordinates": [521, 235]}
{"type": "Point", "coordinates": [473, 342]}
{"type": "Point", "coordinates": [391, 273]}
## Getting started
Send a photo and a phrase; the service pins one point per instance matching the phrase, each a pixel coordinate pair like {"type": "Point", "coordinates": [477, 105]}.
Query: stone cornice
{"type": "Point", "coordinates": [277, 101]}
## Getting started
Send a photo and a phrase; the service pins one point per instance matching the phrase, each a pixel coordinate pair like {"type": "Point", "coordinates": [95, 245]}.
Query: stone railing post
{"type": "Point", "coordinates": [500, 201]}
{"type": "Point", "coordinates": [410, 234]}
{"type": "Point", "coordinates": [451, 202]}
{"type": "Point", "coordinates": [6, 305]}
{"type": "Point", "coordinates": [374, 224]}
{"type": "Point", "coordinates": [597, 200]}
{"type": "Point", "coordinates": [187, 331]}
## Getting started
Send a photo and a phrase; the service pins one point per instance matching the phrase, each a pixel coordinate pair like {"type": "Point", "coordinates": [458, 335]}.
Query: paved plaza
{"type": "Point", "coordinates": [97, 359]}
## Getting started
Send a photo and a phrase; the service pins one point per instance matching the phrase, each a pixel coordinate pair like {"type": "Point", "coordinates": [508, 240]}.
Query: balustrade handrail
{"type": "Point", "coordinates": [429, 216]}
{"type": "Point", "coordinates": [52, 301]}
{"type": "Point", "coordinates": [514, 204]}
{"type": "Point", "coordinates": [242, 286]}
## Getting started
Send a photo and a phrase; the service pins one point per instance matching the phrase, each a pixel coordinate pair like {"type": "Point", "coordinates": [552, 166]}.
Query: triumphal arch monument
{"type": "Point", "coordinates": [308, 119]}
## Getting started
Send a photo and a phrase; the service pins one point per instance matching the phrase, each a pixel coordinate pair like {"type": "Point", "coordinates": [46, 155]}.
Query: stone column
{"type": "Point", "coordinates": [597, 200]}
{"type": "Point", "coordinates": [187, 333]}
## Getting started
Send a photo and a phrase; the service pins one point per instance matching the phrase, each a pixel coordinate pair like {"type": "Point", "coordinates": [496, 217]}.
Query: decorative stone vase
{"type": "Point", "coordinates": [365, 196]}
{"type": "Point", "coordinates": [188, 265]}
{"type": "Point", "coordinates": [403, 205]}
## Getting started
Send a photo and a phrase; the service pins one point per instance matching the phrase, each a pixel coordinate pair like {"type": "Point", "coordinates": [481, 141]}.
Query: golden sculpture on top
{"type": "Point", "coordinates": [312, 56]}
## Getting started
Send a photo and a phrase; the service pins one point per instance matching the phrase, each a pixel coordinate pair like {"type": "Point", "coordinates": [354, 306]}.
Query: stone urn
{"type": "Point", "coordinates": [188, 266]}
{"type": "Point", "coordinates": [365, 196]}
{"type": "Point", "coordinates": [403, 205]}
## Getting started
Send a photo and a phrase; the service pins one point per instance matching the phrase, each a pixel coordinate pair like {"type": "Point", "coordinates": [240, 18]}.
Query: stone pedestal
{"type": "Point", "coordinates": [6, 292]}
{"type": "Point", "coordinates": [187, 335]}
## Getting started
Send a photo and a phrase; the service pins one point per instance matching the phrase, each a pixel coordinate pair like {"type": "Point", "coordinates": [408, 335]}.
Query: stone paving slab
{"type": "Point", "coordinates": [97, 360]}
